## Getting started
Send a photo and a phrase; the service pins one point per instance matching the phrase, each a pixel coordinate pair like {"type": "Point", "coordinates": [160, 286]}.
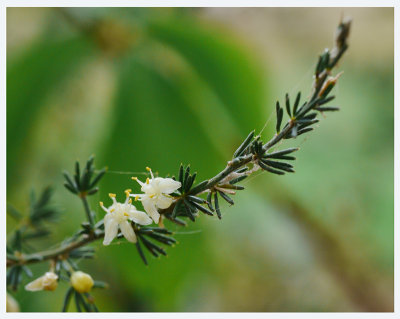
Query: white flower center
{"type": "Point", "coordinates": [151, 188]}
{"type": "Point", "coordinates": [120, 212]}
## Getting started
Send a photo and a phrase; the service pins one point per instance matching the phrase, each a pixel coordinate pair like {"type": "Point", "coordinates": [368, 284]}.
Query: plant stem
{"type": "Point", "coordinates": [62, 250]}
{"type": "Point", "coordinates": [57, 252]}
{"type": "Point", "coordinates": [245, 160]}
{"type": "Point", "coordinates": [318, 87]}
{"type": "Point", "coordinates": [87, 209]}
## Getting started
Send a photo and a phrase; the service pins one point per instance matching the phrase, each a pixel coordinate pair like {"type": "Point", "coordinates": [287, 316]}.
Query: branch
{"type": "Point", "coordinates": [322, 85]}
{"type": "Point", "coordinates": [252, 151]}
{"type": "Point", "coordinates": [57, 253]}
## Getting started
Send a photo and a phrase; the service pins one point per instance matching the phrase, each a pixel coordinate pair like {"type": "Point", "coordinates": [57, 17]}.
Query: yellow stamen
{"type": "Point", "coordinates": [101, 204]}
{"type": "Point", "coordinates": [130, 201]}
{"type": "Point", "coordinates": [151, 196]}
{"type": "Point", "coordinates": [126, 214]}
{"type": "Point", "coordinates": [134, 178]}
{"type": "Point", "coordinates": [112, 210]}
{"type": "Point", "coordinates": [127, 192]}
{"type": "Point", "coordinates": [136, 198]}
{"type": "Point", "coordinates": [112, 195]}
{"type": "Point", "coordinates": [148, 169]}
{"type": "Point", "coordinates": [147, 180]}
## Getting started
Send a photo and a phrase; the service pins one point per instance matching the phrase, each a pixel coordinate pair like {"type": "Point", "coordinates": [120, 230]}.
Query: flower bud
{"type": "Point", "coordinates": [329, 85]}
{"type": "Point", "coordinates": [82, 282]}
{"type": "Point", "coordinates": [12, 304]}
{"type": "Point", "coordinates": [47, 282]}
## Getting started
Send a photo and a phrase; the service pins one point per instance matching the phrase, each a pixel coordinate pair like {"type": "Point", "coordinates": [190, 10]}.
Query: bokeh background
{"type": "Point", "coordinates": [160, 86]}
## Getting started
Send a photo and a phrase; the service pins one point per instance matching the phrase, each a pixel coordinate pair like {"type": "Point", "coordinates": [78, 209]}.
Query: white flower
{"type": "Point", "coordinates": [81, 281]}
{"type": "Point", "coordinates": [119, 216]}
{"type": "Point", "coordinates": [156, 194]}
{"type": "Point", "coordinates": [47, 282]}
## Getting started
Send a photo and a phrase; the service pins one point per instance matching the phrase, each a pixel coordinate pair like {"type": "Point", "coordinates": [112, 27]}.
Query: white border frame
{"type": "Point", "coordinates": [198, 3]}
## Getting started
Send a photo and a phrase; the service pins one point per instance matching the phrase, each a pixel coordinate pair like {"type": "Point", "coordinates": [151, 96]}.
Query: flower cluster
{"type": "Point", "coordinates": [156, 196]}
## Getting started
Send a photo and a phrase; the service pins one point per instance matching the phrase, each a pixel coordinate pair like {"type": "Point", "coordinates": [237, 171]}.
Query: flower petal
{"type": "Point", "coordinates": [11, 304]}
{"type": "Point", "coordinates": [35, 285]}
{"type": "Point", "coordinates": [110, 230]}
{"type": "Point", "coordinates": [46, 282]}
{"type": "Point", "coordinates": [128, 232]}
{"type": "Point", "coordinates": [151, 209]}
{"type": "Point", "coordinates": [163, 201]}
{"type": "Point", "coordinates": [167, 185]}
{"type": "Point", "coordinates": [107, 218]}
{"type": "Point", "coordinates": [140, 217]}
{"type": "Point", "coordinates": [50, 281]}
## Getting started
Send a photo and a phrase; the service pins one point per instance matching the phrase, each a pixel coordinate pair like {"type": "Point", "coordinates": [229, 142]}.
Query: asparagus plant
{"type": "Point", "coordinates": [178, 199]}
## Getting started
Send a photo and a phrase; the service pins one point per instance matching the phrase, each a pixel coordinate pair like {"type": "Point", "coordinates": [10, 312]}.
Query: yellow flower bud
{"type": "Point", "coordinates": [82, 282]}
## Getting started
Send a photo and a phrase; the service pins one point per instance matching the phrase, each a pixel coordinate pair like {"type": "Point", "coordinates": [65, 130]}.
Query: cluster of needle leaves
{"type": "Point", "coordinates": [32, 227]}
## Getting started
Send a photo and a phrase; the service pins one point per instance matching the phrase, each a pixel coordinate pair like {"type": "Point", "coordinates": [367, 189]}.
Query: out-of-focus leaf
{"type": "Point", "coordinates": [13, 212]}
{"type": "Point", "coordinates": [30, 79]}
{"type": "Point", "coordinates": [226, 66]}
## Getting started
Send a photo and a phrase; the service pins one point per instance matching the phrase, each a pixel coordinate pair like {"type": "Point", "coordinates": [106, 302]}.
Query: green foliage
{"type": "Point", "coordinates": [33, 225]}
{"type": "Point", "coordinates": [148, 236]}
{"type": "Point", "coordinates": [41, 208]}
{"type": "Point", "coordinates": [30, 79]}
{"type": "Point", "coordinates": [84, 183]}
{"type": "Point", "coordinates": [230, 70]}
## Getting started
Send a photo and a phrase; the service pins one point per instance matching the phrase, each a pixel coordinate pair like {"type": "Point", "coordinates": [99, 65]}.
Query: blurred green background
{"type": "Point", "coordinates": [160, 86]}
